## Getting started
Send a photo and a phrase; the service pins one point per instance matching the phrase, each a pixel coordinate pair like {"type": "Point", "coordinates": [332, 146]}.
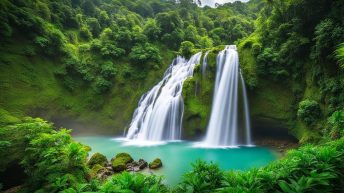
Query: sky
{"type": "Point", "coordinates": [211, 3]}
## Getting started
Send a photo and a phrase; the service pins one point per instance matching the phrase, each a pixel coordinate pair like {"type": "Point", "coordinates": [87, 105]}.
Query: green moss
{"type": "Point", "coordinates": [97, 158]}
{"type": "Point", "coordinates": [155, 164]}
{"type": "Point", "coordinates": [197, 94]}
{"type": "Point", "coordinates": [120, 161]}
{"type": "Point", "coordinates": [96, 169]}
{"type": "Point", "coordinates": [30, 87]}
{"type": "Point", "coordinates": [6, 118]}
{"type": "Point", "coordinates": [248, 67]}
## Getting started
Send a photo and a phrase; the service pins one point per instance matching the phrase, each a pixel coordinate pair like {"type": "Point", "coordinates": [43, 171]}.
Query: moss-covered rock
{"type": "Point", "coordinates": [197, 94]}
{"type": "Point", "coordinates": [119, 162]}
{"type": "Point", "coordinates": [155, 164]}
{"type": "Point", "coordinates": [96, 169]}
{"type": "Point", "coordinates": [97, 158]}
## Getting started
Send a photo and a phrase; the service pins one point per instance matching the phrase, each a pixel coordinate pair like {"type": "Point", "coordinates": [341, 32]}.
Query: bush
{"type": "Point", "coordinates": [336, 123]}
{"type": "Point", "coordinates": [340, 55]}
{"type": "Point", "coordinates": [309, 111]}
{"type": "Point", "coordinates": [101, 85]}
{"type": "Point", "coordinates": [53, 156]}
{"type": "Point", "coordinates": [186, 48]}
{"type": "Point", "coordinates": [137, 182]}
{"type": "Point", "coordinates": [202, 178]}
{"type": "Point", "coordinates": [308, 169]}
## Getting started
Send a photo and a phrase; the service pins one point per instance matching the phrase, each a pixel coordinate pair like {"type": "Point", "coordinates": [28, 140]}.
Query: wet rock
{"type": "Point", "coordinates": [136, 166]}
{"type": "Point", "coordinates": [120, 161]}
{"type": "Point", "coordinates": [155, 164]}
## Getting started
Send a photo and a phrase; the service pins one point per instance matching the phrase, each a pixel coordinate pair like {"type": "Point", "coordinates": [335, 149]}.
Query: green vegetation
{"type": "Point", "coordinates": [53, 162]}
{"type": "Point", "coordinates": [308, 169]}
{"type": "Point", "coordinates": [89, 57]}
{"type": "Point", "coordinates": [309, 111]}
{"type": "Point", "coordinates": [301, 53]}
{"type": "Point", "coordinates": [87, 62]}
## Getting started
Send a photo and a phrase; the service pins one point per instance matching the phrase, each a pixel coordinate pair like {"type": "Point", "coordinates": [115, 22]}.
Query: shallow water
{"type": "Point", "coordinates": [177, 156]}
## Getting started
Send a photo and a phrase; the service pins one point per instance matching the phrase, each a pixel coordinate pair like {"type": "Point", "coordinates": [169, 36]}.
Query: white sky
{"type": "Point", "coordinates": [211, 3]}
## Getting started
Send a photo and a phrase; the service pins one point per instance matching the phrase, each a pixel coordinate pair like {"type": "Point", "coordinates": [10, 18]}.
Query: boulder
{"type": "Point", "coordinates": [120, 161]}
{"type": "Point", "coordinates": [97, 158]}
{"type": "Point", "coordinates": [155, 164]}
{"type": "Point", "coordinates": [95, 170]}
{"type": "Point", "coordinates": [136, 166]}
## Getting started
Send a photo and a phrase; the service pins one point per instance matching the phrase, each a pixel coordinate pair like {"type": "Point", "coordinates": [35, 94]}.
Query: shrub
{"type": "Point", "coordinates": [336, 123]}
{"type": "Point", "coordinates": [52, 158]}
{"type": "Point", "coordinates": [186, 48]}
{"type": "Point", "coordinates": [308, 169]}
{"type": "Point", "coordinates": [137, 182]}
{"type": "Point", "coordinates": [340, 55]}
{"type": "Point", "coordinates": [202, 178]}
{"type": "Point", "coordinates": [309, 111]}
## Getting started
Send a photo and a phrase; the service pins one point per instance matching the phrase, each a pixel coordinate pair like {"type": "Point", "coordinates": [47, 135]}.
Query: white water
{"type": "Point", "coordinates": [229, 125]}
{"type": "Point", "coordinates": [159, 114]}
{"type": "Point", "coordinates": [205, 64]}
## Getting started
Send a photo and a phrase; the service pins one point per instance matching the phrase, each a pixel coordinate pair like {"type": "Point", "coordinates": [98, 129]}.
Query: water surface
{"type": "Point", "coordinates": [177, 156]}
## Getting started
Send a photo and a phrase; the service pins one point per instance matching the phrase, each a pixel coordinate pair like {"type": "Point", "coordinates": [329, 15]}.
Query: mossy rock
{"type": "Point", "coordinates": [155, 164]}
{"type": "Point", "coordinates": [95, 170]}
{"type": "Point", "coordinates": [119, 162]}
{"type": "Point", "coordinates": [97, 158]}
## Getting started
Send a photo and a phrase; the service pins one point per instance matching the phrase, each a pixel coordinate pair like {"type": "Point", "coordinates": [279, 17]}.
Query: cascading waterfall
{"type": "Point", "coordinates": [159, 114]}
{"type": "Point", "coordinates": [229, 125]}
{"type": "Point", "coordinates": [204, 64]}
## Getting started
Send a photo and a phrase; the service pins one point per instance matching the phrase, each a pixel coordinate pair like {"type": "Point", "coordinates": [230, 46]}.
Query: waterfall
{"type": "Point", "coordinates": [204, 64]}
{"type": "Point", "coordinates": [229, 125]}
{"type": "Point", "coordinates": [158, 116]}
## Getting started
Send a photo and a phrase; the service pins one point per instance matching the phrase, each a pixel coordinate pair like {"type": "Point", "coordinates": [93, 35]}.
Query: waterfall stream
{"type": "Point", "coordinates": [229, 123]}
{"type": "Point", "coordinates": [158, 116]}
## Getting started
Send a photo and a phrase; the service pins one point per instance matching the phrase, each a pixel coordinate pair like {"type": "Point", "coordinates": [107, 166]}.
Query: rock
{"type": "Point", "coordinates": [142, 164]}
{"type": "Point", "coordinates": [101, 172]}
{"type": "Point", "coordinates": [96, 170]}
{"type": "Point", "coordinates": [97, 158]}
{"type": "Point", "coordinates": [120, 161]}
{"type": "Point", "coordinates": [136, 166]}
{"type": "Point", "coordinates": [155, 164]}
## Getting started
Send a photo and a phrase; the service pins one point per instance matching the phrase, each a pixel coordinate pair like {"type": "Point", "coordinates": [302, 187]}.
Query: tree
{"type": "Point", "coordinates": [168, 22]}
{"type": "Point", "coordinates": [340, 54]}
{"type": "Point", "coordinates": [145, 53]}
{"type": "Point", "coordinates": [94, 26]}
{"type": "Point", "coordinates": [205, 42]}
{"type": "Point", "coordinates": [151, 29]}
{"type": "Point", "coordinates": [186, 48]}
{"type": "Point", "coordinates": [191, 34]}
{"type": "Point", "coordinates": [89, 7]}
{"type": "Point", "coordinates": [85, 33]}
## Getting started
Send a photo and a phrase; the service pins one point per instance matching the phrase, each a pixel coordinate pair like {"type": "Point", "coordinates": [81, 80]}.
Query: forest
{"type": "Point", "coordinates": [75, 68]}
